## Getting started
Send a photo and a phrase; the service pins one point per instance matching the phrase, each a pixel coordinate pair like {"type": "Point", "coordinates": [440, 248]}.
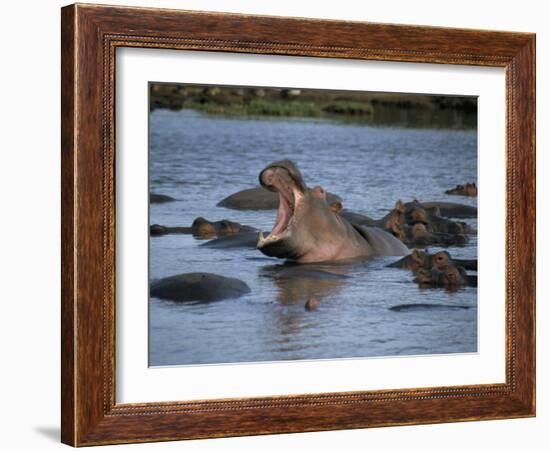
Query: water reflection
{"type": "Point", "coordinates": [423, 119]}
{"type": "Point", "coordinates": [298, 283]}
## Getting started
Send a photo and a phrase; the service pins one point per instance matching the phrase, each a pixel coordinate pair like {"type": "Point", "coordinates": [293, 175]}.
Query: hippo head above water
{"type": "Point", "coordinates": [300, 209]}
{"type": "Point", "coordinates": [307, 229]}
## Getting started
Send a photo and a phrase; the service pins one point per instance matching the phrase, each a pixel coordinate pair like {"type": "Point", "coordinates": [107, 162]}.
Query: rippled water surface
{"type": "Point", "coordinates": [200, 159]}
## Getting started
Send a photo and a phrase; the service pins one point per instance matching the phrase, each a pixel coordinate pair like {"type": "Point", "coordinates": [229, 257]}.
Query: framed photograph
{"type": "Point", "coordinates": [278, 225]}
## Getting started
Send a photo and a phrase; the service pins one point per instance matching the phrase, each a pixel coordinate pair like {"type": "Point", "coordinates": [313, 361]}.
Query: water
{"type": "Point", "coordinates": [200, 159]}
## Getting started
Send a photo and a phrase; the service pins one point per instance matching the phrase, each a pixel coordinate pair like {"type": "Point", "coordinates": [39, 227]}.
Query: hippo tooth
{"type": "Point", "coordinates": [261, 237]}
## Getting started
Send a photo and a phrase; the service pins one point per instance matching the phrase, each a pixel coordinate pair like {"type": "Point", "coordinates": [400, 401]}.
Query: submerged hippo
{"type": "Point", "coordinates": [159, 230]}
{"type": "Point", "coordinates": [416, 212]}
{"type": "Point", "coordinates": [420, 235]}
{"type": "Point", "coordinates": [259, 199]}
{"type": "Point", "coordinates": [469, 189]}
{"type": "Point", "coordinates": [203, 228]}
{"type": "Point", "coordinates": [421, 259]}
{"type": "Point", "coordinates": [198, 287]}
{"type": "Point", "coordinates": [450, 276]}
{"type": "Point", "coordinates": [208, 229]}
{"type": "Point", "coordinates": [415, 226]}
{"type": "Point", "coordinates": [236, 241]}
{"type": "Point", "coordinates": [438, 270]}
{"type": "Point", "coordinates": [450, 209]}
{"type": "Point", "coordinates": [160, 198]}
{"type": "Point", "coordinates": [308, 230]}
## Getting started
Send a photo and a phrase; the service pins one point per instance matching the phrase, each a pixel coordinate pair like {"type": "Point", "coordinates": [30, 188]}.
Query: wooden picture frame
{"type": "Point", "coordinates": [90, 36]}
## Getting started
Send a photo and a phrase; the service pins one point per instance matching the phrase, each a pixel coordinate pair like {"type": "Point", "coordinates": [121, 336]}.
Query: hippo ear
{"type": "Point", "coordinates": [336, 207]}
{"type": "Point", "coordinates": [399, 206]}
{"type": "Point", "coordinates": [396, 229]}
{"type": "Point", "coordinates": [199, 221]}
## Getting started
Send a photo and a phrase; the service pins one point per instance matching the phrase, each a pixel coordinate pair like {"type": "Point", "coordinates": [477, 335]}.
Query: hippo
{"type": "Point", "coordinates": [402, 220]}
{"type": "Point", "coordinates": [207, 229]}
{"type": "Point", "coordinates": [392, 222]}
{"type": "Point", "coordinates": [438, 270]}
{"type": "Point", "coordinates": [203, 228]}
{"type": "Point", "coordinates": [357, 218]}
{"type": "Point", "coordinates": [421, 259]}
{"type": "Point", "coordinates": [308, 230]}
{"type": "Point", "coordinates": [414, 226]}
{"type": "Point", "coordinates": [415, 260]}
{"type": "Point", "coordinates": [416, 212]}
{"type": "Point", "coordinates": [237, 241]}
{"type": "Point", "coordinates": [159, 230]}
{"type": "Point", "coordinates": [198, 287]}
{"type": "Point", "coordinates": [420, 235]}
{"type": "Point", "coordinates": [440, 260]}
{"type": "Point", "coordinates": [450, 209]}
{"type": "Point", "coordinates": [451, 276]}
{"type": "Point", "coordinates": [469, 189]}
{"type": "Point", "coordinates": [159, 198]}
{"type": "Point", "coordinates": [259, 199]}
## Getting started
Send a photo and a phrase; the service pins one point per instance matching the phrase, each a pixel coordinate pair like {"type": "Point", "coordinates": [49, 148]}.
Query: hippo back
{"type": "Point", "coordinates": [382, 242]}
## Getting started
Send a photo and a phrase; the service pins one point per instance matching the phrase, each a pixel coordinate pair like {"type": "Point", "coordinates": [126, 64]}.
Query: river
{"type": "Point", "coordinates": [199, 159]}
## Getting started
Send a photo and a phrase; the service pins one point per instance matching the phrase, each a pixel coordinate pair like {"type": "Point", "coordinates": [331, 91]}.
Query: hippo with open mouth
{"type": "Point", "coordinates": [307, 230]}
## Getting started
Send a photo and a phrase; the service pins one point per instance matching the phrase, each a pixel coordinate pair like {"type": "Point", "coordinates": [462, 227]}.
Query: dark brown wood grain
{"type": "Point", "coordinates": [90, 36]}
{"type": "Point", "coordinates": [67, 227]}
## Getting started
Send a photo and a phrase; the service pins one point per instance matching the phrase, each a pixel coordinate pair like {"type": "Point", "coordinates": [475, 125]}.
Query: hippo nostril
{"type": "Point", "coordinates": [267, 178]}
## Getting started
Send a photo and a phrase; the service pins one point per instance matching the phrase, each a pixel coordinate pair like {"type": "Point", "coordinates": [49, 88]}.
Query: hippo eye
{"type": "Point", "coordinates": [452, 276]}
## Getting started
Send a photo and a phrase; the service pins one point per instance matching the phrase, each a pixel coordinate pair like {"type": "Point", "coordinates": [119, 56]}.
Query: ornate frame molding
{"type": "Point", "coordinates": [90, 36]}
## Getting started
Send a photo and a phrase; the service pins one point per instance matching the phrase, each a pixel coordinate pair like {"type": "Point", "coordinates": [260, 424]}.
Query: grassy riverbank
{"type": "Point", "coordinates": [349, 105]}
{"type": "Point", "coordinates": [279, 107]}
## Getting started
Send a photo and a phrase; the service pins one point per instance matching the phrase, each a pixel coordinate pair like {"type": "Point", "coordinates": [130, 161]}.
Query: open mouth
{"type": "Point", "coordinates": [285, 213]}
{"type": "Point", "coordinates": [280, 179]}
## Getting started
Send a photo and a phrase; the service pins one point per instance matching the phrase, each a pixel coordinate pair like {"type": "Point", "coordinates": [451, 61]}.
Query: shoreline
{"type": "Point", "coordinates": [414, 110]}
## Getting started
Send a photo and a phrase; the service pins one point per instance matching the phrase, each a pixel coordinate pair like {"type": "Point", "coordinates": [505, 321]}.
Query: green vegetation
{"type": "Point", "coordinates": [367, 107]}
{"type": "Point", "coordinates": [262, 107]}
{"type": "Point", "coordinates": [288, 108]}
